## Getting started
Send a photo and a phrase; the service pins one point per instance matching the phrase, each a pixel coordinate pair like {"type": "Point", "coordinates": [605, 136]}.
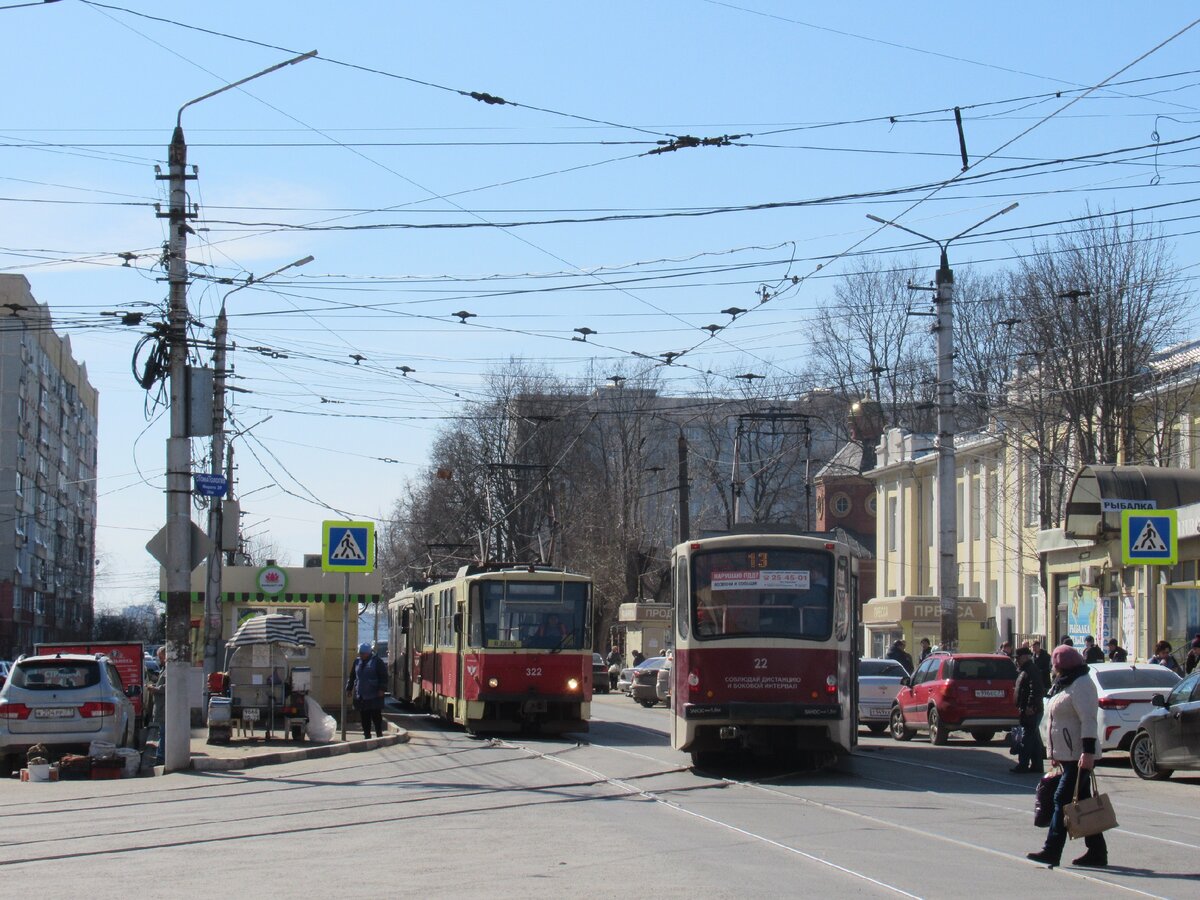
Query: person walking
{"type": "Point", "coordinates": [614, 661]}
{"type": "Point", "coordinates": [1006, 648]}
{"type": "Point", "coordinates": [1071, 714]}
{"type": "Point", "coordinates": [1041, 659]}
{"type": "Point", "coordinates": [366, 684]}
{"type": "Point", "coordinates": [900, 655]}
{"type": "Point", "coordinates": [1117, 653]}
{"type": "Point", "coordinates": [1092, 653]}
{"type": "Point", "coordinates": [1193, 657]}
{"type": "Point", "coordinates": [158, 696]}
{"type": "Point", "coordinates": [1029, 695]}
{"type": "Point", "coordinates": [1164, 657]}
{"type": "Point", "coordinates": [638, 657]}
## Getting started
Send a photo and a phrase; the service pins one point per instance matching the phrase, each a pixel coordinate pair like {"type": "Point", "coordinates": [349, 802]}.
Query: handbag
{"type": "Point", "coordinates": [1015, 737]}
{"type": "Point", "coordinates": [1091, 815]}
{"type": "Point", "coordinates": [1043, 803]}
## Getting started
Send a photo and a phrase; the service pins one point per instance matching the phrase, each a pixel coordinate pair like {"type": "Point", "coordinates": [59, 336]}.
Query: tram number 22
{"type": "Point", "coordinates": [533, 672]}
{"type": "Point", "coordinates": [760, 662]}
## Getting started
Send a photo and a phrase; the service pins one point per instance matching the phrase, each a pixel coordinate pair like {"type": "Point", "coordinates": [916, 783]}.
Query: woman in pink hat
{"type": "Point", "coordinates": [1071, 714]}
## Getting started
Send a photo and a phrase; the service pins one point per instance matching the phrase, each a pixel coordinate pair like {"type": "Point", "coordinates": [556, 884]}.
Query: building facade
{"type": "Point", "coordinates": [48, 419]}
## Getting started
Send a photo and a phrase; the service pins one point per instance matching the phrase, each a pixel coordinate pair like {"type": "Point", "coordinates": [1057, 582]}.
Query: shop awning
{"type": "Point", "coordinates": [1100, 493]}
{"type": "Point", "coordinates": [272, 628]}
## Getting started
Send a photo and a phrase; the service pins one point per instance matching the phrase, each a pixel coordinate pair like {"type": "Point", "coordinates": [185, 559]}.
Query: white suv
{"type": "Point", "coordinates": [64, 701]}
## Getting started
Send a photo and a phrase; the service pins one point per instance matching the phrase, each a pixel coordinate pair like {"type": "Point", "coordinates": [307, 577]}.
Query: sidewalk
{"type": "Point", "coordinates": [246, 753]}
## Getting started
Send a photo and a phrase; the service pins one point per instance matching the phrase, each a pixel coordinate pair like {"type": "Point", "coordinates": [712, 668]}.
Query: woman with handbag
{"type": "Point", "coordinates": [1071, 716]}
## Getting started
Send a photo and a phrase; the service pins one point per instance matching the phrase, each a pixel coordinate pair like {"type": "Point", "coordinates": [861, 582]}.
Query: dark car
{"type": "Point", "coordinates": [970, 692]}
{"type": "Point", "coordinates": [599, 674]}
{"type": "Point", "coordinates": [1169, 737]}
{"type": "Point", "coordinates": [644, 686]}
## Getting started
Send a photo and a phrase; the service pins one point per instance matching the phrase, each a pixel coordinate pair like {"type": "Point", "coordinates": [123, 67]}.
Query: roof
{"type": "Point", "coordinates": [846, 461]}
{"type": "Point", "coordinates": [1099, 493]}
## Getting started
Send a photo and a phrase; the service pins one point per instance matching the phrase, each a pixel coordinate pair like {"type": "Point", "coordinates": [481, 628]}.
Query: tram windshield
{"type": "Point", "coordinates": [546, 615]}
{"type": "Point", "coordinates": [762, 592]}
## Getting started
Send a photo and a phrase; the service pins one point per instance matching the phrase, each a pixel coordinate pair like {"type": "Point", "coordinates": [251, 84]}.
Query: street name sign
{"type": "Point", "coordinates": [1149, 538]}
{"type": "Point", "coordinates": [208, 485]}
{"type": "Point", "coordinates": [348, 546]}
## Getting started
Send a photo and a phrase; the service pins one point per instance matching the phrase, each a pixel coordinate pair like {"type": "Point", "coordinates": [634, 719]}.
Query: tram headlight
{"type": "Point", "coordinates": [572, 684]}
{"type": "Point", "coordinates": [831, 684]}
{"type": "Point", "coordinates": [493, 682]}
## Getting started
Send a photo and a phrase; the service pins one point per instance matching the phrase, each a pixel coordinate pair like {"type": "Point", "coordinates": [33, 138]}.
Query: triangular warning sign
{"type": "Point", "coordinates": [348, 550]}
{"type": "Point", "coordinates": [1150, 541]}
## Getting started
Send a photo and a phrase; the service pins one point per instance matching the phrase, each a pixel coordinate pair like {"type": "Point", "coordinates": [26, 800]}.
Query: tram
{"type": "Point", "coordinates": [496, 648]}
{"type": "Point", "coordinates": [764, 663]}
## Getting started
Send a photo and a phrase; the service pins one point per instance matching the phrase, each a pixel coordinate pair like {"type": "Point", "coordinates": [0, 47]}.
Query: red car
{"type": "Point", "coordinates": [957, 692]}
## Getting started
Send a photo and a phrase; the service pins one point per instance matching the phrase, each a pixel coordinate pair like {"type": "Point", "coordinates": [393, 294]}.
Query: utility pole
{"type": "Point", "coordinates": [685, 523]}
{"type": "Point", "coordinates": [947, 485]}
{"type": "Point", "coordinates": [737, 472]}
{"type": "Point", "coordinates": [177, 728]}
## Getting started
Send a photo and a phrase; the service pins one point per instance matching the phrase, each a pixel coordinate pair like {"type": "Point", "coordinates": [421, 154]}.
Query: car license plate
{"type": "Point", "coordinates": [878, 712]}
{"type": "Point", "coordinates": [250, 714]}
{"type": "Point", "coordinates": [989, 693]}
{"type": "Point", "coordinates": [54, 713]}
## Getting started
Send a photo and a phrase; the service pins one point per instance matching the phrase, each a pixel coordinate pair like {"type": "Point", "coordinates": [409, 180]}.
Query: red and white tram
{"type": "Point", "coordinates": [496, 648]}
{"type": "Point", "coordinates": [764, 662]}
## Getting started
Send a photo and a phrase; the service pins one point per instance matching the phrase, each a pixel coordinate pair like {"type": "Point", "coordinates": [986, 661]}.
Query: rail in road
{"type": "Point", "coordinates": [612, 811]}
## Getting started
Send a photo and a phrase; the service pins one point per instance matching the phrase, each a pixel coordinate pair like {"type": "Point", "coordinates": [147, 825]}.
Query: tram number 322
{"type": "Point", "coordinates": [533, 672]}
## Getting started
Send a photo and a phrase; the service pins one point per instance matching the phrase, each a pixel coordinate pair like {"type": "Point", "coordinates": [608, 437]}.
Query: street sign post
{"type": "Point", "coordinates": [347, 547]}
{"type": "Point", "coordinates": [1149, 537]}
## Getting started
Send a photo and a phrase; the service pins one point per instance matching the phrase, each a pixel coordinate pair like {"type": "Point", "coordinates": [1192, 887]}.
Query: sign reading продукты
{"type": "Point", "coordinates": [1149, 538]}
{"type": "Point", "coordinates": [348, 546]}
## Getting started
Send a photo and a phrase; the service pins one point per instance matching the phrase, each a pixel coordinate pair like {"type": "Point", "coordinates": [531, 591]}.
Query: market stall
{"type": "Point", "coordinates": [261, 685]}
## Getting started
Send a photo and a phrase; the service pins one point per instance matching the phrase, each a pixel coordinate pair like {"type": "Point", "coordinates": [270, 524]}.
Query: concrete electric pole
{"type": "Point", "coordinates": [947, 490]}
{"type": "Point", "coordinates": [179, 527]}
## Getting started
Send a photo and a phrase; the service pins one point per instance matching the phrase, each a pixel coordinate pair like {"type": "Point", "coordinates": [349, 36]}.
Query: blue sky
{"type": "Point", "coordinates": [837, 99]}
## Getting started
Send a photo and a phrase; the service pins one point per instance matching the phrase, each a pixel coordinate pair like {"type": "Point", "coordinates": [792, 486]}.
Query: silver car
{"type": "Point", "coordinates": [64, 701]}
{"type": "Point", "coordinates": [878, 684]}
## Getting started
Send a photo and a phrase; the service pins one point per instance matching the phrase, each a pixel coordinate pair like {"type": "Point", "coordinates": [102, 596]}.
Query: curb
{"type": "Point", "coordinates": [217, 764]}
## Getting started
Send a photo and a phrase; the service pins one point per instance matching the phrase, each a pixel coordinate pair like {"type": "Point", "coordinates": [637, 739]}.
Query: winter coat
{"type": "Point", "coordinates": [1118, 654]}
{"type": "Point", "coordinates": [1030, 689]}
{"type": "Point", "coordinates": [1071, 717]}
{"type": "Point", "coordinates": [902, 657]}
{"type": "Point", "coordinates": [1093, 654]}
{"type": "Point", "coordinates": [1041, 659]}
{"type": "Point", "coordinates": [368, 681]}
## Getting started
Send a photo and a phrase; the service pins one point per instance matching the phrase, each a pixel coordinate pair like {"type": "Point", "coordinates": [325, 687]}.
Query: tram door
{"type": "Point", "coordinates": [679, 627]}
{"type": "Point", "coordinates": [460, 629]}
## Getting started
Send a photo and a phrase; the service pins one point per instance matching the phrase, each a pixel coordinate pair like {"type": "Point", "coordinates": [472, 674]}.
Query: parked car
{"type": "Point", "coordinates": [879, 680]}
{"type": "Point", "coordinates": [625, 681]}
{"type": "Point", "coordinates": [1168, 738]}
{"type": "Point", "coordinates": [663, 684]}
{"type": "Point", "coordinates": [970, 692]}
{"type": "Point", "coordinates": [64, 701]}
{"type": "Point", "coordinates": [1125, 691]}
{"type": "Point", "coordinates": [599, 674]}
{"type": "Point", "coordinates": [644, 683]}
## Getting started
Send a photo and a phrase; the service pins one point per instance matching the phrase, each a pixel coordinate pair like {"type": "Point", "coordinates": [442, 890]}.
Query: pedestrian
{"type": "Point", "coordinates": [158, 696]}
{"type": "Point", "coordinates": [1071, 713]}
{"type": "Point", "coordinates": [614, 661]}
{"type": "Point", "coordinates": [900, 655]}
{"type": "Point", "coordinates": [1116, 653]}
{"type": "Point", "coordinates": [1006, 648]}
{"type": "Point", "coordinates": [1041, 659]}
{"type": "Point", "coordinates": [1164, 657]}
{"type": "Point", "coordinates": [925, 649]}
{"type": "Point", "coordinates": [1029, 694]}
{"type": "Point", "coordinates": [1092, 653]}
{"type": "Point", "coordinates": [1067, 641]}
{"type": "Point", "coordinates": [1193, 656]}
{"type": "Point", "coordinates": [367, 684]}
{"type": "Point", "coordinates": [638, 657]}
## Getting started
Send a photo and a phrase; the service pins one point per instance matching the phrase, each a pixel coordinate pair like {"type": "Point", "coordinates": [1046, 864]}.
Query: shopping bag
{"type": "Point", "coordinates": [1043, 803]}
{"type": "Point", "coordinates": [1015, 737]}
{"type": "Point", "coordinates": [1091, 815]}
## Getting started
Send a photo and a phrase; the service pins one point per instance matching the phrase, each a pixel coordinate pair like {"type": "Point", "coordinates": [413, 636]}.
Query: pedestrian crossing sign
{"type": "Point", "coordinates": [1149, 537]}
{"type": "Point", "coordinates": [348, 546]}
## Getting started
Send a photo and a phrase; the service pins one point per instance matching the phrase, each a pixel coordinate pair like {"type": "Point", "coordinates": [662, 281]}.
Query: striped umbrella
{"type": "Point", "coordinates": [272, 628]}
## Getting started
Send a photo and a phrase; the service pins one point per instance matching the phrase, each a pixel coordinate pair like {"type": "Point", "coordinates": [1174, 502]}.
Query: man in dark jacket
{"type": "Point", "coordinates": [1117, 653]}
{"type": "Point", "coordinates": [367, 684]}
{"type": "Point", "coordinates": [1041, 659]}
{"type": "Point", "coordinates": [900, 655]}
{"type": "Point", "coordinates": [1092, 653]}
{"type": "Point", "coordinates": [1029, 694]}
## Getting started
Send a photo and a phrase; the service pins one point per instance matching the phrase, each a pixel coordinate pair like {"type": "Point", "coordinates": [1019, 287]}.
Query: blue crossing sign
{"type": "Point", "coordinates": [1149, 537]}
{"type": "Point", "coordinates": [348, 546]}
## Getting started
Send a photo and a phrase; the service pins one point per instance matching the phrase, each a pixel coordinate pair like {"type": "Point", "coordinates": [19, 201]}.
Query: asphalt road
{"type": "Point", "coordinates": [617, 813]}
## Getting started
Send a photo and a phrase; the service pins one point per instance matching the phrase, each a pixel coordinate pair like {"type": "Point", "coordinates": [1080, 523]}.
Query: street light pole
{"type": "Point", "coordinates": [946, 481]}
{"type": "Point", "coordinates": [177, 722]}
{"type": "Point", "coordinates": [212, 594]}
